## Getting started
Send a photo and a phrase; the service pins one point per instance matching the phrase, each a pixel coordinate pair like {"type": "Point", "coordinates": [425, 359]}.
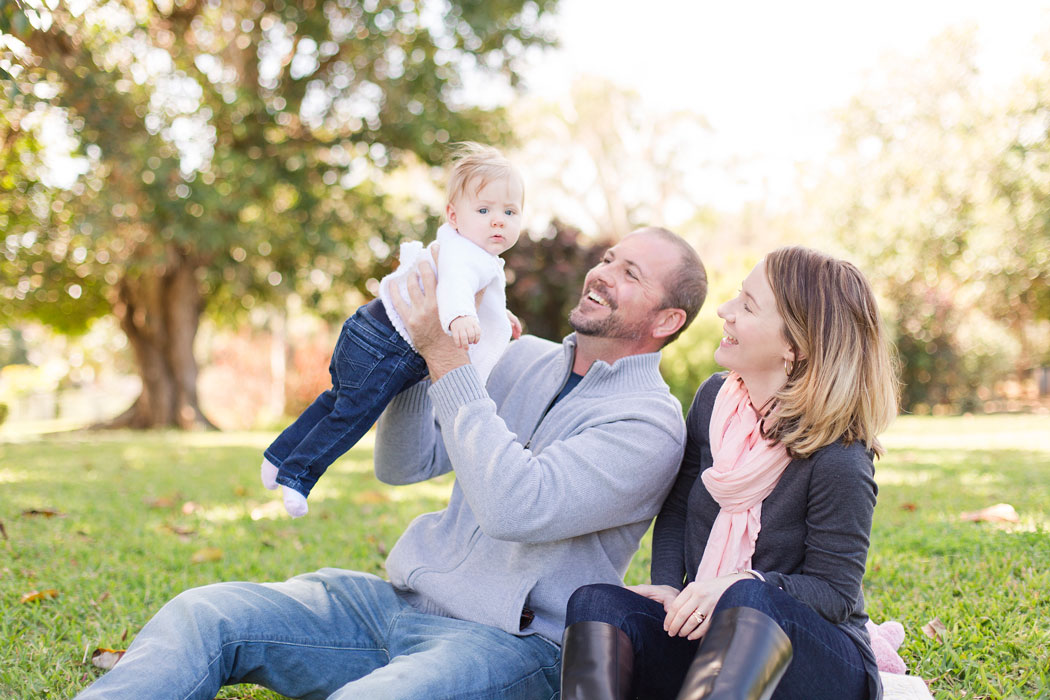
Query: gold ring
{"type": "Point", "coordinates": [699, 617]}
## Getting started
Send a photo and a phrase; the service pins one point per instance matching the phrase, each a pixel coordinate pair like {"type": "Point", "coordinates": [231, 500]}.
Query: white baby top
{"type": "Point", "coordinates": [464, 268]}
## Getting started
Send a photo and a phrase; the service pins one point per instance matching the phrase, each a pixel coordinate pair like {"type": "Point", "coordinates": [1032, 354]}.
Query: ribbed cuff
{"type": "Point", "coordinates": [458, 387]}
{"type": "Point", "coordinates": [412, 399]}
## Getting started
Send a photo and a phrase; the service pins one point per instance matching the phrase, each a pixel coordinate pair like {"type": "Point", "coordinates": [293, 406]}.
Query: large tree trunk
{"type": "Point", "coordinates": [160, 313]}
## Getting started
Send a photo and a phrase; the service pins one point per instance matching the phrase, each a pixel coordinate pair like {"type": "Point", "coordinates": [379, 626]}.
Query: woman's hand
{"type": "Point", "coordinates": [421, 319]}
{"type": "Point", "coordinates": [689, 614]}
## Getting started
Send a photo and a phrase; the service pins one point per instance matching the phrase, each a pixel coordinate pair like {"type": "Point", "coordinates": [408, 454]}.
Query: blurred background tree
{"type": "Point", "coordinates": [233, 153]}
{"type": "Point", "coordinates": [939, 192]}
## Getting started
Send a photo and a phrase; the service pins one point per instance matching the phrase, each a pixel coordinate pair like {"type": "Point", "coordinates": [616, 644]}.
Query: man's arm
{"type": "Point", "coordinates": [608, 474]}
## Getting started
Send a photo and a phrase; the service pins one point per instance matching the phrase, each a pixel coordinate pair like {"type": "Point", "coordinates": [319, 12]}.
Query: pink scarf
{"type": "Point", "coordinates": [746, 469]}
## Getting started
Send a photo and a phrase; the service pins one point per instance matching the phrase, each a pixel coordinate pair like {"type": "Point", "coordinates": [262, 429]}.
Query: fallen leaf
{"type": "Point", "coordinates": [934, 629]}
{"type": "Point", "coordinates": [910, 507]}
{"type": "Point", "coordinates": [162, 502]}
{"type": "Point", "coordinates": [999, 513]}
{"type": "Point", "coordinates": [371, 497]}
{"type": "Point", "coordinates": [106, 658]}
{"type": "Point", "coordinates": [37, 596]}
{"type": "Point", "coordinates": [205, 555]}
{"type": "Point", "coordinates": [240, 491]}
{"type": "Point", "coordinates": [180, 530]}
{"type": "Point", "coordinates": [45, 512]}
{"type": "Point", "coordinates": [2, 530]}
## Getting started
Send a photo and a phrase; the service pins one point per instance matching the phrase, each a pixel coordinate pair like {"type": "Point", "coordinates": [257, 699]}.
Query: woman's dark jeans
{"type": "Point", "coordinates": [826, 664]}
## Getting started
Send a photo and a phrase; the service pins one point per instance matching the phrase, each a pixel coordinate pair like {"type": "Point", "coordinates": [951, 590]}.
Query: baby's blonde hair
{"type": "Point", "coordinates": [843, 383]}
{"type": "Point", "coordinates": [474, 164]}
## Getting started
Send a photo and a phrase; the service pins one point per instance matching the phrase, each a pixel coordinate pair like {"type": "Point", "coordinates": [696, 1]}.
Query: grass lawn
{"type": "Point", "coordinates": [118, 523]}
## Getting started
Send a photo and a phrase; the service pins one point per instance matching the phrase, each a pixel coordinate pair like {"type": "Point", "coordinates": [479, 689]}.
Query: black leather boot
{"type": "Point", "coordinates": [597, 661]}
{"type": "Point", "coordinates": [742, 657]}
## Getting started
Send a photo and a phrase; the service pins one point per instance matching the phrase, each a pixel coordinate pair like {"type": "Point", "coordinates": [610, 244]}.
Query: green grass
{"type": "Point", "coordinates": [135, 508]}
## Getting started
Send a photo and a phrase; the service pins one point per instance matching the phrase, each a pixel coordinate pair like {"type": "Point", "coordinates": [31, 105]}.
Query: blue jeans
{"type": "Point", "coordinates": [826, 664]}
{"type": "Point", "coordinates": [329, 634]}
{"type": "Point", "coordinates": [371, 365]}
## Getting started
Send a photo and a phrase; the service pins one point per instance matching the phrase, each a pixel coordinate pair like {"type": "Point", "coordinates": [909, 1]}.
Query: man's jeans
{"type": "Point", "coordinates": [826, 664]}
{"type": "Point", "coordinates": [371, 365]}
{"type": "Point", "coordinates": [329, 634]}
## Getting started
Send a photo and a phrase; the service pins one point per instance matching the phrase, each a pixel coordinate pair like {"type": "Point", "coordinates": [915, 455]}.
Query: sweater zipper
{"type": "Point", "coordinates": [550, 405]}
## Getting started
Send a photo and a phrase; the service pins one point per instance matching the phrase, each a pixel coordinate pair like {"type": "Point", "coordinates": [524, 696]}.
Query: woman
{"type": "Point", "coordinates": [757, 565]}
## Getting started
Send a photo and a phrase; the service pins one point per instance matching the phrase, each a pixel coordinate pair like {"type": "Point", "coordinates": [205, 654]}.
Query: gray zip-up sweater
{"type": "Point", "coordinates": [816, 526]}
{"type": "Point", "coordinates": [544, 501]}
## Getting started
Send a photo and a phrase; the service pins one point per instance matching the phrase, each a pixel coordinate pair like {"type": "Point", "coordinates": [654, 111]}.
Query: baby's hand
{"type": "Point", "coordinates": [515, 325]}
{"type": "Point", "coordinates": [465, 330]}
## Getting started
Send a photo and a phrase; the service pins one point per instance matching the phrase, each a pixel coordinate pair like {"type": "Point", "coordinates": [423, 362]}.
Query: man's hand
{"type": "Point", "coordinates": [515, 325]}
{"type": "Point", "coordinates": [420, 315]}
{"type": "Point", "coordinates": [465, 331]}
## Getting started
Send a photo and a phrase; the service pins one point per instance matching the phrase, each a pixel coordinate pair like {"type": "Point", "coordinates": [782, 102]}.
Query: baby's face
{"type": "Point", "coordinates": [490, 216]}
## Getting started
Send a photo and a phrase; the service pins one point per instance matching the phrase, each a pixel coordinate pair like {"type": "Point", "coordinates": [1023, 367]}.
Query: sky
{"type": "Point", "coordinates": [730, 61]}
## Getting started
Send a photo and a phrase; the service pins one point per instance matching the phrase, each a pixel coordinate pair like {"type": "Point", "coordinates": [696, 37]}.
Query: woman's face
{"type": "Point", "coordinates": [753, 343]}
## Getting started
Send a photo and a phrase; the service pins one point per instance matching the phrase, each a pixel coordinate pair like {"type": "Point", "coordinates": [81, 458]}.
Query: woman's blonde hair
{"type": "Point", "coordinates": [843, 383]}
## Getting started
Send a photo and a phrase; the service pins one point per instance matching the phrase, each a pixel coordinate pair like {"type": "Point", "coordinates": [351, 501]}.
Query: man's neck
{"type": "Point", "coordinates": [590, 349]}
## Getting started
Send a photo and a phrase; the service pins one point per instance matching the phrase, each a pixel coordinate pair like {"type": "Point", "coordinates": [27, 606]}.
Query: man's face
{"type": "Point", "coordinates": [623, 292]}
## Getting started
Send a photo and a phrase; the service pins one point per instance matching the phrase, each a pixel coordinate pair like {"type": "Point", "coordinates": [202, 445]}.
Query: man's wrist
{"type": "Point", "coordinates": [441, 361]}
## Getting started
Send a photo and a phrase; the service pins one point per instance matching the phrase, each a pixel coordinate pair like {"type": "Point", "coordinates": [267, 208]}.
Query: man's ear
{"type": "Point", "coordinates": [450, 213]}
{"type": "Point", "coordinates": [668, 322]}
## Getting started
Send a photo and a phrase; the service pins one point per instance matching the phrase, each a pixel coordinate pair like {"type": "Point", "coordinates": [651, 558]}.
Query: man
{"type": "Point", "coordinates": [561, 462]}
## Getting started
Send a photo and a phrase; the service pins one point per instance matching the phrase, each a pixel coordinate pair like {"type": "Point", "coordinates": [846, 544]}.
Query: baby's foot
{"type": "Point", "coordinates": [269, 474]}
{"type": "Point", "coordinates": [294, 502]}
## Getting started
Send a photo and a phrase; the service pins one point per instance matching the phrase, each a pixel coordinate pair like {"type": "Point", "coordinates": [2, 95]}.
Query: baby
{"type": "Point", "coordinates": [374, 358]}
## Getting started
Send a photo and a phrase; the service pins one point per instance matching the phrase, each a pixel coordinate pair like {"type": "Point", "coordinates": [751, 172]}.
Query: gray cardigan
{"type": "Point", "coordinates": [545, 500]}
{"type": "Point", "coordinates": [816, 526]}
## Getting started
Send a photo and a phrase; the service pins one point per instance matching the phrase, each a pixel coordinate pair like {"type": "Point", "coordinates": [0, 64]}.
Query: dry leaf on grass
{"type": "Point", "coordinates": [999, 513]}
{"type": "Point", "coordinates": [934, 629]}
{"type": "Point", "coordinates": [162, 502]}
{"type": "Point", "coordinates": [106, 658]}
{"type": "Point", "coordinates": [44, 512]}
{"type": "Point", "coordinates": [37, 596]}
{"type": "Point", "coordinates": [205, 555]}
{"type": "Point", "coordinates": [3, 531]}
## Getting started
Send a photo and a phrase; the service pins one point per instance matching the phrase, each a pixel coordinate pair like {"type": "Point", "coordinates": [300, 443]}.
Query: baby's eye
{"type": "Point", "coordinates": [483, 210]}
{"type": "Point", "coordinates": [510, 212]}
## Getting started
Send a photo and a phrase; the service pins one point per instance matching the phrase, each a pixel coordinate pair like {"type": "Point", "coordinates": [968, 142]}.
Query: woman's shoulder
{"type": "Point", "coordinates": [708, 390]}
{"type": "Point", "coordinates": [841, 456]}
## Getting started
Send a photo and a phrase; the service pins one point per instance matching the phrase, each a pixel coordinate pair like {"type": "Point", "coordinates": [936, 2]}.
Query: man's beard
{"type": "Point", "coordinates": [611, 326]}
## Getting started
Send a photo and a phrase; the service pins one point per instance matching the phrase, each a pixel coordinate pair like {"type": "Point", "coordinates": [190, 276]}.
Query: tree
{"type": "Point", "coordinates": [235, 154]}
{"type": "Point", "coordinates": [937, 194]}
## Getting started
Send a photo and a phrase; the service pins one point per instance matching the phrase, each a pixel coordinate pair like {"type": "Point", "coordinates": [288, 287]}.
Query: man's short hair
{"type": "Point", "coordinates": [686, 287]}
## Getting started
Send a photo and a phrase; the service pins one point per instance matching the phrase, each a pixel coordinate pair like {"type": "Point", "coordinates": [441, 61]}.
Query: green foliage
{"type": "Point", "coordinates": [939, 191]}
{"type": "Point", "coordinates": [134, 510]}
{"type": "Point", "coordinates": [247, 139]}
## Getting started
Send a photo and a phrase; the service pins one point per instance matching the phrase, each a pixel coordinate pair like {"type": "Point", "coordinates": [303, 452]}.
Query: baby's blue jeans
{"type": "Point", "coordinates": [371, 365]}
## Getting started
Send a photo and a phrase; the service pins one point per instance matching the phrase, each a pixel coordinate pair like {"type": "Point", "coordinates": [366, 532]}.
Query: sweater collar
{"type": "Point", "coordinates": [633, 372]}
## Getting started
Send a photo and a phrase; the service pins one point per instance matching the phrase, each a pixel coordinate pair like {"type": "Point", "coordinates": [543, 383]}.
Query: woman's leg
{"type": "Point", "coordinates": [825, 662]}
{"type": "Point", "coordinates": [660, 661]}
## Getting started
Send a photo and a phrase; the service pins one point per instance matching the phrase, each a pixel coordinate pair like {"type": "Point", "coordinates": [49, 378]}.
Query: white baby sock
{"type": "Point", "coordinates": [294, 502]}
{"type": "Point", "coordinates": [269, 474]}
